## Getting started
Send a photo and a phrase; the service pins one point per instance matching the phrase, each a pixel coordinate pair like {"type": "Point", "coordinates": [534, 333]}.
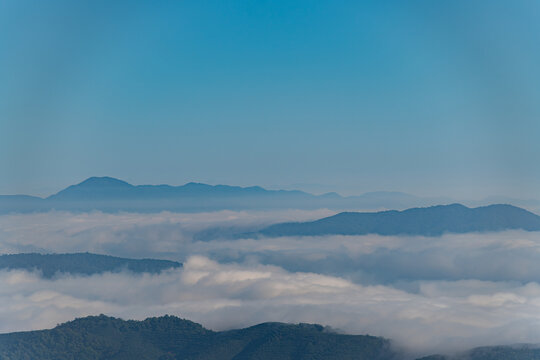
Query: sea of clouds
{"type": "Point", "coordinates": [428, 294]}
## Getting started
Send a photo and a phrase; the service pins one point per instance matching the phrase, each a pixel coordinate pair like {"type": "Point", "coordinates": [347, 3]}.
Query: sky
{"type": "Point", "coordinates": [427, 97]}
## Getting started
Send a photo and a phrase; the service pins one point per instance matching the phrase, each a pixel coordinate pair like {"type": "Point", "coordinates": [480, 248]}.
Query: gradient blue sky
{"type": "Point", "coordinates": [427, 97]}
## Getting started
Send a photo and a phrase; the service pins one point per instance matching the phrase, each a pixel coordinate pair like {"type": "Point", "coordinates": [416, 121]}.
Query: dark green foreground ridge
{"type": "Point", "coordinates": [169, 337]}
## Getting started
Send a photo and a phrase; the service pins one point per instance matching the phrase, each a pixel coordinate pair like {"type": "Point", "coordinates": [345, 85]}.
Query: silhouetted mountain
{"type": "Point", "coordinates": [82, 264]}
{"type": "Point", "coordinates": [107, 188]}
{"type": "Point", "coordinates": [529, 204]}
{"type": "Point", "coordinates": [111, 195]}
{"type": "Point", "coordinates": [429, 221]}
{"type": "Point", "coordinates": [95, 188]}
{"type": "Point", "coordinates": [516, 352]}
{"type": "Point", "coordinates": [168, 337]}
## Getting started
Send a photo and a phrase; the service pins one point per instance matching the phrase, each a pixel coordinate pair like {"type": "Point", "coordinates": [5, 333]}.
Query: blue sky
{"type": "Point", "coordinates": [427, 97]}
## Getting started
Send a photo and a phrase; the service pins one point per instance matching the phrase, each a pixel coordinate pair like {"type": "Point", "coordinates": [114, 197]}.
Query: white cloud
{"type": "Point", "coordinates": [126, 233]}
{"type": "Point", "coordinates": [430, 294]}
{"type": "Point", "coordinates": [441, 316]}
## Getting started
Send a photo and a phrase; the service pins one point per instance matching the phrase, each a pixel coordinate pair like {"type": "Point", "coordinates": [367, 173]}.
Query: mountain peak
{"type": "Point", "coordinates": [103, 181]}
{"type": "Point", "coordinates": [95, 188]}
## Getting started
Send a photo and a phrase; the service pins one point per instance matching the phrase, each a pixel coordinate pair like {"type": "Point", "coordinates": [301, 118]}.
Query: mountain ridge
{"type": "Point", "coordinates": [426, 221]}
{"type": "Point", "coordinates": [169, 337]}
{"type": "Point", "coordinates": [49, 265]}
{"type": "Point", "coordinates": [109, 194]}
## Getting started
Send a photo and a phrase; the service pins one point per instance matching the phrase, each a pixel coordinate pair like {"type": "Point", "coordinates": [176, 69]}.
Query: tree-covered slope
{"type": "Point", "coordinates": [168, 337]}
{"type": "Point", "coordinates": [81, 263]}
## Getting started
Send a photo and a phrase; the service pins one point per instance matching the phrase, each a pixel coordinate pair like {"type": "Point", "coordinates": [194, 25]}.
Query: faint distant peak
{"type": "Point", "coordinates": [388, 195]}
{"type": "Point", "coordinates": [196, 185]}
{"type": "Point", "coordinates": [459, 206]}
{"type": "Point", "coordinates": [330, 195]}
{"type": "Point", "coordinates": [382, 192]}
{"type": "Point", "coordinates": [104, 181]}
{"type": "Point", "coordinates": [221, 187]}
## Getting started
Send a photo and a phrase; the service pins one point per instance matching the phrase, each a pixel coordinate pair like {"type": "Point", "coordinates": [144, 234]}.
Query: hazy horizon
{"type": "Point", "coordinates": [314, 189]}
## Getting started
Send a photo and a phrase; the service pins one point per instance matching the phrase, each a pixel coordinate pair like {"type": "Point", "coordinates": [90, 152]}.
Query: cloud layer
{"type": "Point", "coordinates": [371, 259]}
{"type": "Point", "coordinates": [441, 316]}
{"type": "Point", "coordinates": [428, 294]}
{"type": "Point", "coordinates": [126, 234]}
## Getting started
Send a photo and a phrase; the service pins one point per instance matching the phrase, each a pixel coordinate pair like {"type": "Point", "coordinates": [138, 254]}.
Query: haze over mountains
{"type": "Point", "coordinates": [111, 195]}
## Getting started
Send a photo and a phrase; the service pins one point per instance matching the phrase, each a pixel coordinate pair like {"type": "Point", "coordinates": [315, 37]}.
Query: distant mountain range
{"type": "Point", "coordinates": [112, 195]}
{"type": "Point", "coordinates": [168, 338]}
{"type": "Point", "coordinates": [81, 264]}
{"type": "Point", "coordinates": [428, 221]}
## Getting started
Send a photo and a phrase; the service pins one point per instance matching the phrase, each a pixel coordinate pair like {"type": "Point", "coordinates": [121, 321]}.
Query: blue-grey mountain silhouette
{"type": "Point", "coordinates": [112, 195]}
{"type": "Point", "coordinates": [428, 221]}
{"type": "Point", "coordinates": [50, 265]}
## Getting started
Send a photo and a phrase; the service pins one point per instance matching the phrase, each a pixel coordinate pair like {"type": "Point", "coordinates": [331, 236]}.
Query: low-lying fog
{"type": "Point", "coordinates": [428, 294]}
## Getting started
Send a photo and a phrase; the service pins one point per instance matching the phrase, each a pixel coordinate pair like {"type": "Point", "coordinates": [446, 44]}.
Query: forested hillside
{"type": "Point", "coordinates": [168, 337]}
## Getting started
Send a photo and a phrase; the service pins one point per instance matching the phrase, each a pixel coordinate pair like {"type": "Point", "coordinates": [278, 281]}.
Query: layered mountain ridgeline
{"type": "Point", "coordinates": [111, 195]}
{"type": "Point", "coordinates": [516, 352]}
{"type": "Point", "coordinates": [168, 337]}
{"type": "Point", "coordinates": [429, 221]}
{"type": "Point", "coordinates": [81, 264]}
